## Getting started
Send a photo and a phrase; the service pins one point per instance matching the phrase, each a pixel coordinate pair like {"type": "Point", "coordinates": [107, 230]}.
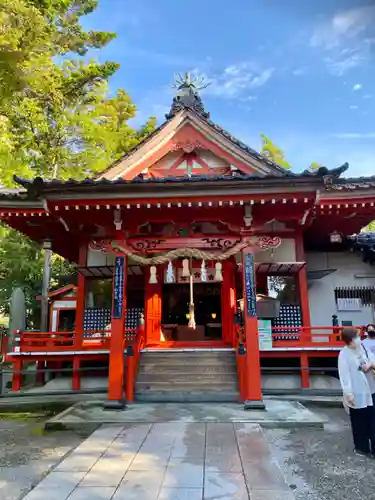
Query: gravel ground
{"type": "Point", "coordinates": [26, 455]}
{"type": "Point", "coordinates": [320, 465]}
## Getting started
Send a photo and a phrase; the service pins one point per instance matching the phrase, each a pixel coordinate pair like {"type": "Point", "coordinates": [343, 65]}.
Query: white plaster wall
{"type": "Point", "coordinates": [321, 292]}
{"type": "Point", "coordinates": [286, 252]}
{"type": "Point", "coordinates": [96, 258]}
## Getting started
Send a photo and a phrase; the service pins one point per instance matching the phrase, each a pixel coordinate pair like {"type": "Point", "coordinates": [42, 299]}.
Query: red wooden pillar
{"type": "Point", "coordinates": [228, 302]}
{"type": "Point", "coordinates": [302, 287]}
{"type": "Point", "coordinates": [253, 389]}
{"type": "Point", "coordinates": [116, 352]}
{"type": "Point", "coordinates": [305, 374]}
{"type": "Point", "coordinates": [76, 378]}
{"type": "Point", "coordinates": [153, 307]}
{"type": "Point", "coordinates": [80, 311]}
{"type": "Point", "coordinates": [17, 375]}
{"type": "Point", "coordinates": [81, 298]}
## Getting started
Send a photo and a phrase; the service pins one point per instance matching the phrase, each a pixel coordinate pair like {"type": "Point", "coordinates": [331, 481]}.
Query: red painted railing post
{"type": "Point", "coordinates": [17, 375]}
{"type": "Point", "coordinates": [130, 373]}
{"type": "Point", "coordinates": [76, 375]}
{"type": "Point", "coordinates": [241, 372]}
{"type": "Point", "coordinates": [305, 375]}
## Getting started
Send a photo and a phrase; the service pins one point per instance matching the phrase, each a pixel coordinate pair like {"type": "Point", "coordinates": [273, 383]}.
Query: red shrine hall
{"type": "Point", "coordinates": [194, 250]}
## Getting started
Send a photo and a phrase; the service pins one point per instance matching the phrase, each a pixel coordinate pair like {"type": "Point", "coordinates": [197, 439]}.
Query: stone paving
{"type": "Point", "coordinates": [168, 461]}
{"type": "Point", "coordinates": [279, 414]}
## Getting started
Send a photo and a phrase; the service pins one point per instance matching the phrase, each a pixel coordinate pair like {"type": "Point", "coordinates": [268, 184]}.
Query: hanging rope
{"type": "Point", "coordinates": [191, 323]}
{"type": "Point", "coordinates": [194, 253]}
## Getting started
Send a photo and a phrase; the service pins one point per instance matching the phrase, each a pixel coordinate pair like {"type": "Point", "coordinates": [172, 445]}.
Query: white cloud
{"type": "Point", "coordinates": [300, 71]}
{"type": "Point", "coordinates": [354, 107]}
{"type": "Point", "coordinates": [346, 39]}
{"type": "Point", "coordinates": [367, 96]}
{"type": "Point", "coordinates": [248, 98]}
{"type": "Point", "coordinates": [340, 63]}
{"type": "Point", "coordinates": [344, 25]}
{"type": "Point", "coordinates": [355, 135]}
{"type": "Point", "coordinates": [357, 86]}
{"type": "Point", "coordinates": [236, 80]}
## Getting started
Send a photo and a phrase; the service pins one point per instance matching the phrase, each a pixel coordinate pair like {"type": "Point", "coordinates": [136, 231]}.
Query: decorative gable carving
{"type": "Point", "coordinates": [189, 163]}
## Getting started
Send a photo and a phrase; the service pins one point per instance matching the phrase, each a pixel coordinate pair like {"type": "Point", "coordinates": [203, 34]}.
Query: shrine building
{"type": "Point", "coordinates": [199, 263]}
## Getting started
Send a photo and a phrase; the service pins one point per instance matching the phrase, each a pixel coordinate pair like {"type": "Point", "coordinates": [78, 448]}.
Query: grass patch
{"type": "Point", "coordinates": [22, 417]}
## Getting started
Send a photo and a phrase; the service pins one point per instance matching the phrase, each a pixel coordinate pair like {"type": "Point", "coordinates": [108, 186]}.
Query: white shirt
{"type": "Point", "coordinates": [369, 344]}
{"type": "Point", "coordinates": [354, 381]}
{"type": "Point", "coordinates": [369, 348]}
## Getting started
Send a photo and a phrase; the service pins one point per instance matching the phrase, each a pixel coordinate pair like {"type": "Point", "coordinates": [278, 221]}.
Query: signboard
{"type": "Point", "coordinates": [349, 304]}
{"type": "Point", "coordinates": [251, 303]}
{"type": "Point", "coordinates": [265, 334]}
{"type": "Point", "coordinates": [118, 288]}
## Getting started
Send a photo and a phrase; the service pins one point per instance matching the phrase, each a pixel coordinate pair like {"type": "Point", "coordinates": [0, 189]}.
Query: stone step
{"type": "Point", "coordinates": [187, 396]}
{"type": "Point", "coordinates": [172, 353]}
{"type": "Point", "coordinates": [176, 369]}
{"type": "Point", "coordinates": [187, 378]}
{"type": "Point", "coordinates": [185, 385]}
{"type": "Point", "coordinates": [187, 358]}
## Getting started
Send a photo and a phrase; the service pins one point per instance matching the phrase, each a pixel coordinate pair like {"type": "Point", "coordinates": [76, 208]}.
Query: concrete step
{"type": "Point", "coordinates": [185, 387]}
{"type": "Point", "coordinates": [187, 396]}
{"type": "Point", "coordinates": [187, 378]}
{"type": "Point", "coordinates": [184, 355]}
{"type": "Point", "coordinates": [196, 369]}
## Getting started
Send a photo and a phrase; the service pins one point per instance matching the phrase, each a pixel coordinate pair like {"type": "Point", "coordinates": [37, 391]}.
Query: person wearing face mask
{"type": "Point", "coordinates": [355, 369]}
{"type": "Point", "coordinates": [369, 348]}
{"type": "Point", "coordinates": [369, 341]}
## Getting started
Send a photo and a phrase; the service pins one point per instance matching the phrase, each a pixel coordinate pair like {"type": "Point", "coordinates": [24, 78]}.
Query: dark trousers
{"type": "Point", "coordinates": [363, 428]}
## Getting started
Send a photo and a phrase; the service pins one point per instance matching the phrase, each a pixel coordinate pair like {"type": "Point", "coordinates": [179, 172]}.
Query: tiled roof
{"type": "Point", "coordinates": [12, 193]}
{"type": "Point", "coordinates": [39, 185]}
{"type": "Point", "coordinates": [140, 179]}
{"type": "Point", "coordinates": [352, 184]}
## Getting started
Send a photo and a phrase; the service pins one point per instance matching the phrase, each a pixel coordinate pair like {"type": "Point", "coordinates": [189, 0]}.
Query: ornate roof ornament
{"type": "Point", "coordinates": [187, 95]}
{"type": "Point", "coordinates": [189, 83]}
{"type": "Point", "coordinates": [324, 172]}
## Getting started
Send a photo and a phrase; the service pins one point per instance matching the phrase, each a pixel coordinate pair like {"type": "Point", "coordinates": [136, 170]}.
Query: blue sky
{"type": "Point", "coordinates": [302, 72]}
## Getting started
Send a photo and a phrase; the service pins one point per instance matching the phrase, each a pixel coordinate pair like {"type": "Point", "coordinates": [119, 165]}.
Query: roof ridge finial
{"type": "Point", "coordinates": [187, 95]}
{"type": "Point", "coordinates": [189, 83]}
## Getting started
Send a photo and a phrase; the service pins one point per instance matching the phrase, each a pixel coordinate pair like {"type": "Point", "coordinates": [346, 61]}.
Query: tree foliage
{"type": "Point", "coordinates": [57, 118]}
{"type": "Point", "coordinates": [21, 264]}
{"type": "Point", "coordinates": [277, 155]}
{"type": "Point", "coordinates": [273, 153]}
{"type": "Point", "coordinates": [315, 165]}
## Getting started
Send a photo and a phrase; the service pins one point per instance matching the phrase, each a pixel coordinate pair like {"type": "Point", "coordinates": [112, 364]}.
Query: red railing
{"type": "Point", "coordinates": [35, 341]}
{"type": "Point", "coordinates": [308, 336]}
{"type": "Point", "coordinates": [302, 336]}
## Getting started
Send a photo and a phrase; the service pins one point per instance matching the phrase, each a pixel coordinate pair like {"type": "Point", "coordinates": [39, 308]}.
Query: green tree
{"type": "Point", "coordinates": [273, 153]}
{"type": "Point", "coordinates": [370, 228]}
{"type": "Point", "coordinates": [21, 264]}
{"type": "Point", "coordinates": [68, 127]}
{"type": "Point", "coordinates": [34, 31]}
{"type": "Point", "coordinates": [315, 165]}
{"type": "Point", "coordinates": [56, 117]}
